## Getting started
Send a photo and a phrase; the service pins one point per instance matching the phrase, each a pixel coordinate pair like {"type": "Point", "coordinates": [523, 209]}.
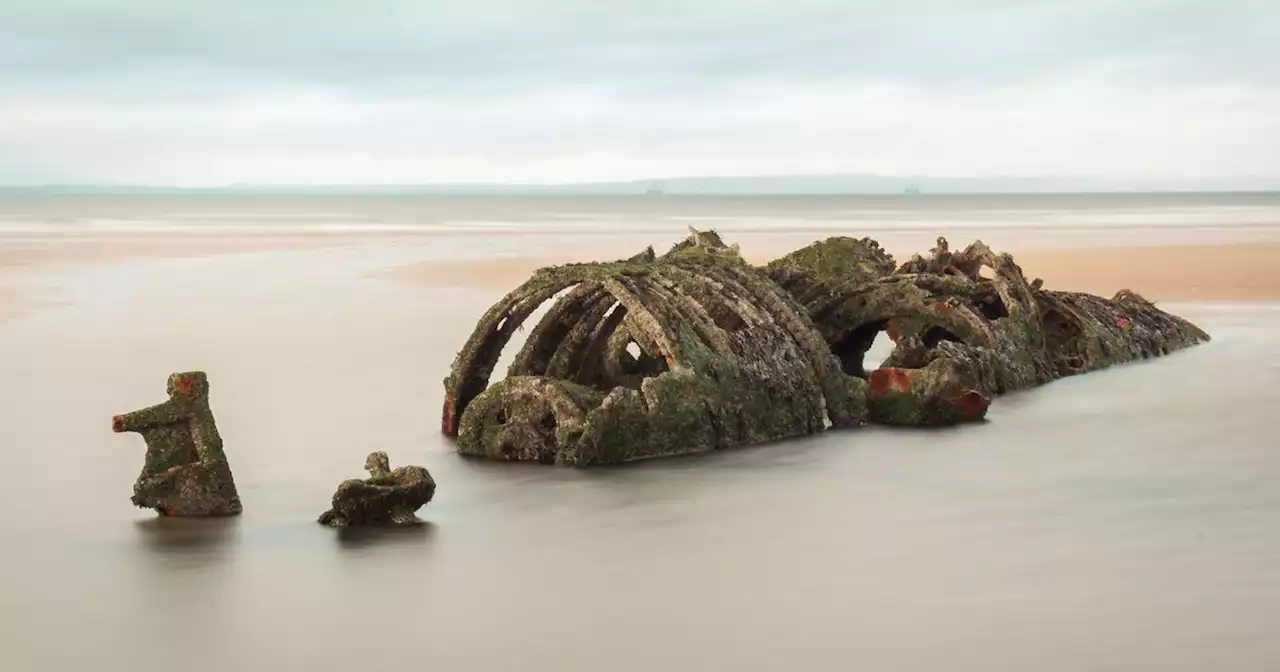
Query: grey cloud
{"type": "Point", "coordinates": [493, 43]}
{"type": "Point", "coordinates": [394, 90]}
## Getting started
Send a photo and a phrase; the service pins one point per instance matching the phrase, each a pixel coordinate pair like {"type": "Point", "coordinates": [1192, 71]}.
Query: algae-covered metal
{"type": "Point", "coordinates": [967, 325]}
{"type": "Point", "coordinates": [186, 471]}
{"type": "Point", "coordinates": [697, 350]}
{"type": "Point", "coordinates": [387, 497]}
{"type": "Point", "coordinates": [648, 356]}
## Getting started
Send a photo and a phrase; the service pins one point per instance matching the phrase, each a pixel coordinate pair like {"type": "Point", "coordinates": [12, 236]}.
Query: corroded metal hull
{"type": "Point", "coordinates": [696, 350]}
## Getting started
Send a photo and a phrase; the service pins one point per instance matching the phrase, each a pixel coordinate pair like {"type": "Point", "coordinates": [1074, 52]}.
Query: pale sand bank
{"type": "Point", "coordinates": [33, 251]}
{"type": "Point", "coordinates": [1216, 272]}
{"type": "Point", "coordinates": [1183, 273]}
{"type": "Point", "coordinates": [26, 255]}
{"type": "Point", "coordinates": [12, 303]}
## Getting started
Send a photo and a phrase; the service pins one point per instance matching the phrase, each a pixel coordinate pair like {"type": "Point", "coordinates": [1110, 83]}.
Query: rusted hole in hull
{"type": "Point", "coordinates": [992, 306]}
{"type": "Point", "coordinates": [935, 335]}
{"type": "Point", "coordinates": [851, 349]}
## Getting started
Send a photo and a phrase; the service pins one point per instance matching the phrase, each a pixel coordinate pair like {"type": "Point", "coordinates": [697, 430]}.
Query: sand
{"type": "Point", "coordinates": [1161, 273]}
{"type": "Point", "coordinates": [34, 255]}
{"type": "Point", "coordinates": [42, 251]}
{"type": "Point", "coordinates": [1224, 272]}
{"type": "Point", "coordinates": [12, 303]}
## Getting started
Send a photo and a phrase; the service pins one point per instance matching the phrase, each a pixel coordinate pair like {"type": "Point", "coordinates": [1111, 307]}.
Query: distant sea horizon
{"type": "Point", "coordinates": [834, 185]}
{"type": "Point", "coordinates": [653, 212]}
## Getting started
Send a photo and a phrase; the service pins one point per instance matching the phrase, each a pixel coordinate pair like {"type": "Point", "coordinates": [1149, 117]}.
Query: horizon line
{"type": "Point", "coordinates": [768, 184]}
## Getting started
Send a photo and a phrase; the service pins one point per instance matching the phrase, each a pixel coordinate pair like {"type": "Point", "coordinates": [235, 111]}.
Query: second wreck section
{"type": "Point", "coordinates": [696, 350]}
{"type": "Point", "coordinates": [689, 352]}
{"type": "Point", "coordinates": [967, 326]}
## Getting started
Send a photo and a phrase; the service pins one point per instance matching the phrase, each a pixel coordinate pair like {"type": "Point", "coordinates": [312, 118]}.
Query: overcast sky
{"type": "Point", "coordinates": [397, 91]}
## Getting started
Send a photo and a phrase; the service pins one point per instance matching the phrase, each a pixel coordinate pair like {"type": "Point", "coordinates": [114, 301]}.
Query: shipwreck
{"type": "Point", "coordinates": [185, 471]}
{"type": "Point", "coordinates": [388, 497]}
{"type": "Point", "coordinates": [697, 350]}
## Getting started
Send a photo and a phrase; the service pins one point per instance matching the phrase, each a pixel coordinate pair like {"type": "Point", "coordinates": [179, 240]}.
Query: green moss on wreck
{"type": "Point", "coordinates": [527, 418]}
{"type": "Point", "coordinates": [895, 408]}
{"type": "Point", "coordinates": [837, 260]}
{"type": "Point", "coordinates": [388, 497]}
{"type": "Point", "coordinates": [731, 354]}
{"type": "Point", "coordinates": [726, 359]}
{"type": "Point", "coordinates": [857, 399]}
{"type": "Point", "coordinates": [185, 471]}
{"type": "Point", "coordinates": [960, 330]}
{"type": "Point", "coordinates": [668, 417]}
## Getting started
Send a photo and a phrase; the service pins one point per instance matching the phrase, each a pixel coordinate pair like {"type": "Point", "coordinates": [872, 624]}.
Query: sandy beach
{"type": "Point", "coordinates": [1193, 272]}
{"type": "Point", "coordinates": [1126, 514]}
{"type": "Point", "coordinates": [1230, 272]}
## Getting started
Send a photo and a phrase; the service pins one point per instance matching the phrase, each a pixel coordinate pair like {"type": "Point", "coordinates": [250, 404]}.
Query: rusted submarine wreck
{"type": "Point", "coordinates": [696, 350]}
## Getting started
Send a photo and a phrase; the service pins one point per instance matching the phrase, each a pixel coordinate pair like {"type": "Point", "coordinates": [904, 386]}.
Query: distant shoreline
{"type": "Point", "coordinates": [905, 188]}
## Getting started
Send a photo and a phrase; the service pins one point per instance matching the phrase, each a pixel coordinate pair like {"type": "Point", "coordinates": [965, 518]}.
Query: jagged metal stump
{"type": "Point", "coordinates": [387, 497]}
{"type": "Point", "coordinates": [186, 471]}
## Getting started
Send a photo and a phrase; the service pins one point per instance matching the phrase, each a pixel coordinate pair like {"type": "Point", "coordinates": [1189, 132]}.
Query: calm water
{"type": "Point", "coordinates": [611, 215]}
{"type": "Point", "coordinates": [1125, 520]}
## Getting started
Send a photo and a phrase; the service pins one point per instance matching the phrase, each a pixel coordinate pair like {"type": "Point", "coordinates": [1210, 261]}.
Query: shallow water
{"type": "Point", "coordinates": [1004, 220]}
{"type": "Point", "coordinates": [1117, 521]}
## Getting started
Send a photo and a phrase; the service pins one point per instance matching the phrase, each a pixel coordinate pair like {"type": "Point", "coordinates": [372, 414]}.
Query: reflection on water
{"type": "Point", "coordinates": [168, 535]}
{"type": "Point", "coordinates": [418, 535]}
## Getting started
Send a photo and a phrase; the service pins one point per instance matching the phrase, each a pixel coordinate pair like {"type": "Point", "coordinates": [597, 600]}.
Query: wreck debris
{"type": "Point", "coordinates": [186, 471]}
{"type": "Point", "coordinates": [943, 390]}
{"type": "Point", "coordinates": [690, 352]}
{"type": "Point", "coordinates": [386, 497]}
{"type": "Point", "coordinates": [967, 326]}
{"type": "Point", "coordinates": [1085, 333]}
{"type": "Point", "coordinates": [853, 292]}
{"type": "Point", "coordinates": [695, 350]}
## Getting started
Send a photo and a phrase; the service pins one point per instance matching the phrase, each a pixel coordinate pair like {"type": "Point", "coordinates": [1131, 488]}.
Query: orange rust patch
{"type": "Point", "coordinates": [183, 383]}
{"type": "Point", "coordinates": [446, 418]}
{"type": "Point", "coordinates": [941, 306]}
{"type": "Point", "coordinates": [970, 403]}
{"type": "Point", "coordinates": [878, 382]}
{"type": "Point", "coordinates": [1122, 322]}
{"type": "Point", "coordinates": [888, 380]}
{"type": "Point", "coordinates": [893, 334]}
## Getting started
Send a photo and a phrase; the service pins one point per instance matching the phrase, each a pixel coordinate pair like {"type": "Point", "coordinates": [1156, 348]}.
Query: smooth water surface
{"type": "Point", "coordinates": [1124, 520]}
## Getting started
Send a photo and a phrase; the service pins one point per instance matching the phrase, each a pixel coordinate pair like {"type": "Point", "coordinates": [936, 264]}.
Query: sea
{"type": "Point", "coordinates": [37, 211]}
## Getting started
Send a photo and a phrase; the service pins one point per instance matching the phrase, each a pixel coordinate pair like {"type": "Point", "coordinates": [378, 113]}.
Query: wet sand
{"type": "Point", "coordinates": [1225, 272]}
{"type": "Point", "coordinates": [1202, 272]}
{"type": "Point", "coordinates": [1120, 520]}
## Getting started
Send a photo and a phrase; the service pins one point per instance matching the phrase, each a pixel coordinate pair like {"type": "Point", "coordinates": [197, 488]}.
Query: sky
{"type": "Point", "coordinates": [173, 92]}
